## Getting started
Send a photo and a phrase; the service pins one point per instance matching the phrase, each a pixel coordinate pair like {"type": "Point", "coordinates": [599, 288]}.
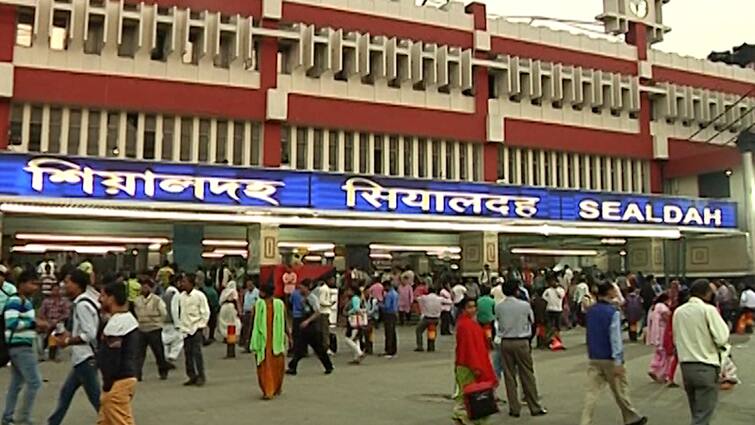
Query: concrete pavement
{"type": "Point", "coordinates": [411, 389]}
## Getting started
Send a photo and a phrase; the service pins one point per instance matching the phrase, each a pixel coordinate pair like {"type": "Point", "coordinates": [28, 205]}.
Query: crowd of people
{"type": "Point", "coordinates": [109, 320]}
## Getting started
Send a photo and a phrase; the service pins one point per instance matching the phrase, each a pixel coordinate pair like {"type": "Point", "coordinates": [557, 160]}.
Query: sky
{"type": "Point", "coordinates": [697, 26]}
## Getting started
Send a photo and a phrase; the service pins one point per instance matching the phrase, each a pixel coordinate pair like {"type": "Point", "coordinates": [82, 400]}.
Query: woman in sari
{"type": "Point", "coordinates": [229, 315]}
{"type": "Point", "coordinates": [472, 359]}
{"type": "Point", "coordinates": [269, 340]}
{"type": "Point", "coordinates": [658, 320]}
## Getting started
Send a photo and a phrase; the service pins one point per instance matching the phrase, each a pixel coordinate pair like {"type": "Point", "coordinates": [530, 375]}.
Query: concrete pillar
{"type": "Point", "coordinates": [187, 246]}
{"type": "Point", "coordinates": [262, 247]}
{"type": "Point", "coordinates": [646, 256]}
{"type": "Point", "coordinates": [748, 174]}
{"type": "Point", "coordinates": [478, 249]}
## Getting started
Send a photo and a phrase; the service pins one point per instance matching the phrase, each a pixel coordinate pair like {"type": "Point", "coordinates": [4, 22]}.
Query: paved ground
{"type": "Point", "coordinates": [408, 390]}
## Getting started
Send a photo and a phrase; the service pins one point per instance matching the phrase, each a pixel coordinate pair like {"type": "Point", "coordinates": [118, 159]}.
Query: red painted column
{"type": "Point", "coordinates": [480, 75]}
{"type": "Point", "coordinates": [271, 140]}
{"type": "Point", "coordinates": [7, 42]}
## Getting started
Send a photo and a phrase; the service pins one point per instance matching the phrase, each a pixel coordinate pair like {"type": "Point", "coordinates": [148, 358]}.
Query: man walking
{"type": "Point", "coordinates": [117, 358]}
{"type": "Point", "coordinates": [326, 309]}
{"type": "Point", "coordinates": [83, 343]}
{"type": "Point", "coordinates": [194, 314]}
{"type": "Point", "coordinates": [309, 333]}
{"type": "Point", "coordinates": [606, 351]}
{"type": "Point", "coordinates": [390, 316]}
{"type": "Point", "coordinates": [515, 319]}
{"type": "Point", "coordinates": [151, 313]}
{"type": "Point", "coordinates": [20, 333]}
{"type": "Point", "coordinates": [172, 338]}
{"type": "Point", "coordinates": [700, 336]}
{"type": "Point", "coordinates": [430, 307]}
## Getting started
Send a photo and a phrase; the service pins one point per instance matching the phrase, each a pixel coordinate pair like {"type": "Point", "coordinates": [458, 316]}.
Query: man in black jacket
{"type": "Point", "coordinates": [117, 358]}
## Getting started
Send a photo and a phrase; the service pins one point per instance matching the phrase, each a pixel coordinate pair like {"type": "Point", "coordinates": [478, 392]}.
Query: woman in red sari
{"type": "Point", "coordinates": [472, 359]}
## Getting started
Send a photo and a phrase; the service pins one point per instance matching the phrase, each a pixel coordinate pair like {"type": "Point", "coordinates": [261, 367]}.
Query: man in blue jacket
{"type": "Point", "coordinates": [606, 350]}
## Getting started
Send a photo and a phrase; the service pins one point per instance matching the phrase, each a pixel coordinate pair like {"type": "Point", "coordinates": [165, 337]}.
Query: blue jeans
{"type": "Point", "coordinates": [24, 371]}
{"type": "Point", "coordinates": [84, 375]}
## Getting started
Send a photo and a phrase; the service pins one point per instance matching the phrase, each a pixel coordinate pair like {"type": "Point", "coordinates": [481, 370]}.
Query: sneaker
{"type": "Point", "coordinates": [542, 412]}
{"type": "Point", "coordinates": [200, 382]}
{"type": "Point", "coordinates": [642, 421]}
{"type": "Point", "coordinates": [190, 382]}
{"type": "Point", "coordinates": [328, 371]}
{"type": "Point", "coordinates": [387, 356]}
{"type": "Point", "coordinates": [419, 350]}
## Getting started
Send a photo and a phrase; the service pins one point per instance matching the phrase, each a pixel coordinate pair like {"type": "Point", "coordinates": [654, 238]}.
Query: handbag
{"type": "Point", "coordinates": [479, 400]}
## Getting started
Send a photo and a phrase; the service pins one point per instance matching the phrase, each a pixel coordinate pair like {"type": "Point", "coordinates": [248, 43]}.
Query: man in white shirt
{"type": "Point", "coordinates": [193, 315]}
{"type": "Point", "coordinates": [430, 306]}
{"type": "Point", "coordinates": [568, 275]}
{"type": "Point", "coordinates": [700, 337]}
{"type": "Point", "coordinates": [554, 296]}
{"type": "Point", "coordinates": [497, 291]}
{"type": "Point", "coordinates": [326, 308]}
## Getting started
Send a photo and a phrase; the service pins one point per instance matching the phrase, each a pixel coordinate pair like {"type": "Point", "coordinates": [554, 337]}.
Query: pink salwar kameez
{"type": "Point", "coordinates": [658, 322]}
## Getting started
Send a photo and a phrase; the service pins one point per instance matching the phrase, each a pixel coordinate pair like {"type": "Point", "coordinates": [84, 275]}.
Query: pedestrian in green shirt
{"type": "Point", "coordinates": [485, 307]}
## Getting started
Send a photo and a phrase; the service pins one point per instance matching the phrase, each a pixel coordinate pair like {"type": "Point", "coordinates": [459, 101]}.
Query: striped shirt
{"type": "Point", "coordinates": [20, 327]}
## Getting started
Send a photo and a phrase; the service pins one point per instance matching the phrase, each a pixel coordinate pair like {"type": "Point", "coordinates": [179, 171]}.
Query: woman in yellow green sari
{"type": "Point", "coordinates": [269, 341]}
{"type": "Point", "coordinates": [472, 359]}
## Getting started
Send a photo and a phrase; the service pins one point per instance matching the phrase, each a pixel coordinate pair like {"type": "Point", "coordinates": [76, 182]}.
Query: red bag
{"type": "Point", "coordinates": [479, 400]}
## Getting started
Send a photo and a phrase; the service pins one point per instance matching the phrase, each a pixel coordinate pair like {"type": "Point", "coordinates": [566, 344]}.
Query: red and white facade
{"type": "Point", "coordinates": [378, 87]}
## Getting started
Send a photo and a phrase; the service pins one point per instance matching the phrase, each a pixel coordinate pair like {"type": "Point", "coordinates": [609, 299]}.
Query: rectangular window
{"type": "Point", "coordinates": [204, 140]}
{"type": "Point", "coordinates": [348, 152]}
{"type": "Point", "coordinates": [113, 120]}
{"type": "Point", "coordinates": [56, 118]}
{"type": "Point", "coordinates": [256, 155]}
{"type": "Point", "coordinates": [163, 42]}
{"type": "Point", "coordinates": [536, 180]}
{"type": "Point", "coordinates": [60, 30]}
{"type": "Point", "coordinates": [221, 145]}
{"type": "Point", "coordinates": [25, 26]}
{"type": "Point", "coordinates": [364, 147]}
{"type": "Point", "coordinates": [524, 178]}
{"type": "Point", "coordinates": [377, 155]}
{"type": "Point", "coordinates": [187, 128]}
{"type": "Point", "coordinates": [168, 135]}
{"type": "Point", "coordinates": [35, 129]}
{"type": "Point", "coordinates": [512, 166]}
{"type": "Point", "coordinates": [462, 161]}
{"type": "Point", "coordinates": [301, 148]}
{"type": "Point", "coordinates": [93, 133]}
{"type": "Point", "coordinates": [149, 136]}
{"type": "Point", "coordinates": [450, 160]}
{"type": "Point", "coordinates": [422, 157]}
{"type": "Point", "coordinates": [393, 156]}
{"type": "Point", "coordinates": [74, 131]}
{"type": "Point", "coordinates": [95, 35]}
{"type": "Point", "coordinates": [16, 124]}
{"type": "Point", "coordinates": [546, 178]}
{"type": "Point", "coordinates": [603, 181]}
{"type": "Point", "coordinates": [334, 148]}
{"type": "Point", "coordinates": [478, 162]}
{"type": "Point", "coordinates": [132, 122]}
{"type": "Point", "coordinates": [238, 143]}
{"type": "Point", "coordinates": [437, 171]}
{"type": "Point", "coordinates": [409, 156]}
{"type": "Point", "coordinates": [129, 38]}
{"type": "Point", "coordinates": [559, 174]}
{"type": "Point", "coordinates": [285, 146]}
{"type": "Point", "coordinates": [318, 149]}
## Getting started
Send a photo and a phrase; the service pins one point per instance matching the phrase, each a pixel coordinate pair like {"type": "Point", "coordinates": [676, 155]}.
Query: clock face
{"type": "Point", "coordinates": [639, 8]}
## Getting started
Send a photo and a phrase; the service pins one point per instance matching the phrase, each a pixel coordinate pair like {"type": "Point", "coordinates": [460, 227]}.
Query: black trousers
{"type": "Point", "coordinates": [154, 340]}
{"type": "Point", "coordinates": [446, 319]}
{"type": "Point", "coordinates": [312, 337]}
{"type": "Point", "coordinates": [389, 322]}
{"type": "Point", "coordinates": [193, 355]}
{"type": "Point", "coordinates": [212, 324]}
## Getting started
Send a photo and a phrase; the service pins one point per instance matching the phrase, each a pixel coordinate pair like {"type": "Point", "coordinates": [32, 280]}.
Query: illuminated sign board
{"type": "Point", "coordinates": [120, 180]}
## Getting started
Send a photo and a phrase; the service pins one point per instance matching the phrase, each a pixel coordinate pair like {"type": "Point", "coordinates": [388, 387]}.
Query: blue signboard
{"type": "Point", "coordinates": [58, 177]}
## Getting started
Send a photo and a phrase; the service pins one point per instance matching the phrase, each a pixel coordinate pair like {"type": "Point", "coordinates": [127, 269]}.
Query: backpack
{"type": "Point", "coordinates": [69, 322]}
